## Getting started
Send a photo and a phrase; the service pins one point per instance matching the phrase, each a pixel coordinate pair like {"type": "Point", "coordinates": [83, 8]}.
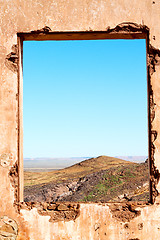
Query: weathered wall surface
{"type": "Point", "coordinates": [93, 221]}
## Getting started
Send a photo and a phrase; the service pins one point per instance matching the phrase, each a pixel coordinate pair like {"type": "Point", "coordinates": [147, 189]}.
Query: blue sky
{"type": "Point", "coordinates": [85, 98]}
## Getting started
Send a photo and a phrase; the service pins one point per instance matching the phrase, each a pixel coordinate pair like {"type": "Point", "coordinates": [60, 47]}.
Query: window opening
{"type": "Point", "coordinates": [85, 120]}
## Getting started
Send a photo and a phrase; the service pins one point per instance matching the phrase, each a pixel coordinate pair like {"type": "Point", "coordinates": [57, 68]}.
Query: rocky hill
{"type": "Point", "coordinates": [73, 172]}
{"type": "Point", "coordinates": [97, 179]}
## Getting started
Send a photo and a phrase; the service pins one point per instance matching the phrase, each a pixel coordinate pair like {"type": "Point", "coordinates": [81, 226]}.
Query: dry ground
{"type": "Point", "coordinates": [97, 179]}
{"type": "Point", "coordinates": [74, 172]}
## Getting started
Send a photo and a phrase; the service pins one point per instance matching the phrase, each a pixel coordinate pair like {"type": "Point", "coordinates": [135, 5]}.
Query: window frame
{"type": "Point", "coordinates": [45, 35]}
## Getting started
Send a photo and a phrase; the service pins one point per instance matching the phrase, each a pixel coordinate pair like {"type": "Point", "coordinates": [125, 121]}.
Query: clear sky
{"type": "Point", "coordinates": [85, 98]}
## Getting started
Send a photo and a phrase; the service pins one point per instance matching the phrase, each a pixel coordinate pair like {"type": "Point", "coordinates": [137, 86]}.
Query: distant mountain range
{"type": "Point", "coordinates": [54, 163]}
{"type": "Point", "coordinates": [133, 158]}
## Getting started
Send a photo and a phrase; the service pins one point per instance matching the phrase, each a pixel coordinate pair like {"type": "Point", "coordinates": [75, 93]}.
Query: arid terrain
{"type": "Point", "coordinates": [100, 179]}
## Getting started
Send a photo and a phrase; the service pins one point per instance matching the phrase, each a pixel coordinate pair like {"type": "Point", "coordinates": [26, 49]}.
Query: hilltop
{"type": "Point", "coordinates": [75, 171]}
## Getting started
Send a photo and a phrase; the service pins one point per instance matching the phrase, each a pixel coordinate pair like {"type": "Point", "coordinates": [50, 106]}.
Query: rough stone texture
{"type": "Point", "coordinates": [93, 221]}
{"type": "Point", "coordinates": [56, 211]}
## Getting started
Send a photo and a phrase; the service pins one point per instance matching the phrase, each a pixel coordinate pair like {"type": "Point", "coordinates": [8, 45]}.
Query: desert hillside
{"type": "Point", "coordinates": [75, 171]}
{"type": "Point", "coordinates": [97, 179]}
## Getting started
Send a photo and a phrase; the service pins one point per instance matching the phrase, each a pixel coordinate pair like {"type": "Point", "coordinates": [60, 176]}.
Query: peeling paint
{"type": "Point", "coordinates": [134, 239]}
{"type": "Point", "coordinates": [46, 29]}
{"type": "Point", "coordinates": [153, 58]}
{"type": "Point", "coordinates": [129, 27]}
{"type": "Point", "coordinates": [140, 226]}
{"type": "Point", "coordinates": [13, 174]}
{"type": "Point", "coordinates": [12, 59]}
{"type": "Point", "coordinates": [125, 212]}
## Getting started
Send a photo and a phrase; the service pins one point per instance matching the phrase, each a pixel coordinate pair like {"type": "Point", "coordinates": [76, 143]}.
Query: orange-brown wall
{"type": "Point", "coordinates": [95, 221]}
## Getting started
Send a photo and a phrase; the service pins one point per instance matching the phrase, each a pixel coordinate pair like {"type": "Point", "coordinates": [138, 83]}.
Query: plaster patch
{"type": "Point", "coordinates": [8, 228]}
{"type": "Point", "coordinates": [6, 159]}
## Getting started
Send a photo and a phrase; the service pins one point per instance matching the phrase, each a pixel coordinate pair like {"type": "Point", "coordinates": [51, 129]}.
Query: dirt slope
{"type": "Point", "coordinates": [74, 172]}
{"type": "Point", "coordinates": [99, 179]}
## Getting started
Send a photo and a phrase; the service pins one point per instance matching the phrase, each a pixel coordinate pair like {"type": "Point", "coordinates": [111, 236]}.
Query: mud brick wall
{"type": "Point", "coordinates": [73, 221]}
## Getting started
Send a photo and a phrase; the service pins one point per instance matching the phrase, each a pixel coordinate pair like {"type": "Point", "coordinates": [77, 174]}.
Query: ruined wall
{"type": "Point", "coordinates": [73, 221]}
